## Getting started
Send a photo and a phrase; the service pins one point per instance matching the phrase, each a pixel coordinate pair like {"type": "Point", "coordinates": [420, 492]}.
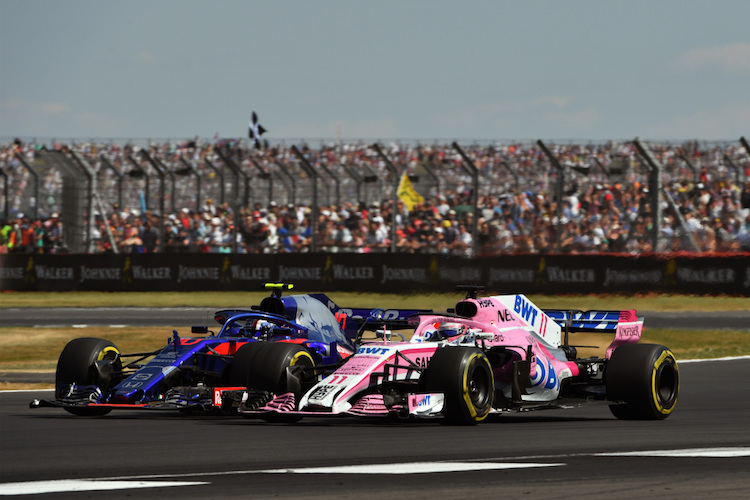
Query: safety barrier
{"type": "Point", "coordinates": [554, 274]}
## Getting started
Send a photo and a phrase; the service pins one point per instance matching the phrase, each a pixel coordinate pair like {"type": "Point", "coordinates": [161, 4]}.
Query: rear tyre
{"type": "Point", "coordinates": [277, 368]}
{"type": "Point", "coordinates": [88, 361]}
{"type": "Point", "coordinates": [465, 376]}
{"type": "Point", "coordinates": [244, 359]}
{"type": "Point", "coordinates": [645, 377]}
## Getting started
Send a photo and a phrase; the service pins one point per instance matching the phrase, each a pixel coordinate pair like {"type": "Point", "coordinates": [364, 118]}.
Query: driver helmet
{"type": "Point", "coordinates": [261, 325]}
{"type": "Point", "coordinates": [430, 332]}
{"type": "Point", "coordinates": [448, 330]}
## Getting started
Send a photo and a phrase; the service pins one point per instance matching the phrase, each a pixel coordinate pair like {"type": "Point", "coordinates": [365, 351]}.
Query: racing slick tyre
{"type": "Point", "coordinates": [276, 368]}
{"type": "Point", "coordinates": [244, 358]}
{"type": "Point", "coordinates": [88, 361]}
{"type": "Point", "coordinates": [465, 376]}
{"type": "Point", "coordinates": [645, 378]}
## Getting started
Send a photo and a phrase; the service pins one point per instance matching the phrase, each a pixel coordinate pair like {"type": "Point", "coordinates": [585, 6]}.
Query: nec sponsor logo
{"type": "Point", "coordinates": [527, 311]}
{"type": "Point", "coordinates": [378, 351]}
{"type": "Point", "coordinates": [504, 316]}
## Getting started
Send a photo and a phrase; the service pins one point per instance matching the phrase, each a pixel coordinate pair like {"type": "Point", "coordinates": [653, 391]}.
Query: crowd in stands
{"type": "Point", "coordinates": [706, 207]}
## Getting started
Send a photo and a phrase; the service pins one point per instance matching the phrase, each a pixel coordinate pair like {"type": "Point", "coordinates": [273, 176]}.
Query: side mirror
{"type": "Point", "coordinates": [199, 330]}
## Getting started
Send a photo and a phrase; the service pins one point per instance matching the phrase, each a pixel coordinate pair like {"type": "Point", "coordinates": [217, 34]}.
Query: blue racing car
{"type": "Point", "coordinates": [288, 340]}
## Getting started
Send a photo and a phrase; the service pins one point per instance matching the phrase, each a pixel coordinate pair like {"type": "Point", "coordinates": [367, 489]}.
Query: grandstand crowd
{"type": "Point", "coordinates": [517, 210]}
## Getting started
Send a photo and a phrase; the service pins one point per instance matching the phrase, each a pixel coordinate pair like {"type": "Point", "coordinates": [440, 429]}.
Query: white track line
{"type": "Point", "coordinates": [27, 390]}
{"type": "Point", "coordinates": [409, 468]}
{"type": "Point", "coordinates": [727, 358]}
{"type": "Point", "coordinates": [166, 480]}
{"type": "Point", "coordinates": [70, 485]}
{"type": "Point", "coordinates": [689, 453]}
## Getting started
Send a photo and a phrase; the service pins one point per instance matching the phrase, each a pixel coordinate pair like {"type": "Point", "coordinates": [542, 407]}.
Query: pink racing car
{"type": "Point", "coordinates": [487, 355]}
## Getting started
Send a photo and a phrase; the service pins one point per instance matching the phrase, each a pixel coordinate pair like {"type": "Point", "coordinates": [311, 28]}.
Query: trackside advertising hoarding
{"type": "Point", "coordinates": [378, 273]}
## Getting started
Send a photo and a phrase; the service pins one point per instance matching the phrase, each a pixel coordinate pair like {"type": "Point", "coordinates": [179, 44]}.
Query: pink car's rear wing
{"type": "Point", "coordinates": [626, 326]}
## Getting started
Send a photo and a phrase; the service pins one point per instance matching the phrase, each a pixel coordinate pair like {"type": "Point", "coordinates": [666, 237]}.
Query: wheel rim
{"type": "Point", "coordinates": [478, 386]}
{"type": "Point", "coordinates": [666, 384]}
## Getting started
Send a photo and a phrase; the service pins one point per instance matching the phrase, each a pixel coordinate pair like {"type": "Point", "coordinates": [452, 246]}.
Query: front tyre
{"type": "Point", "coordinates": [465, 376]}
{"type": "Point", "coordinates": [88, 361]}
{"type": "Point", "coordinates": [645, 377]}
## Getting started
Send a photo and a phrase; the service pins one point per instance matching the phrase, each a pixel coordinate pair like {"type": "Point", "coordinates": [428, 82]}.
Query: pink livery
{"type": "Point", "coordinates": [488, 355]}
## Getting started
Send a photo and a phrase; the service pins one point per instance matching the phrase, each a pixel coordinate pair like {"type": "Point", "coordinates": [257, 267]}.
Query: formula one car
{"type": "Point", "coordinates": [307, 330]}
{"type": "Point", "coordinates": [488, 355]}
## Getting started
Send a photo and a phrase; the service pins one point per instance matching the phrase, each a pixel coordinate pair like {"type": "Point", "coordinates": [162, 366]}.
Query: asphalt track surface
{"type": "Point", "coordinates": [701, 451]}
{"type": "Point", "coordinates": [180, 316]}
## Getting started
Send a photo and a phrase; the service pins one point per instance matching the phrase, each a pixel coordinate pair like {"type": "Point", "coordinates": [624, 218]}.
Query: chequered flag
{"type": "Point", "coordinates": [255, 130]}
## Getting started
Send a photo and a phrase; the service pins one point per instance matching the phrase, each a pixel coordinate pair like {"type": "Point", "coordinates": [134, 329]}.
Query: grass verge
{"type": "Point", "coordinates": [441, 301]}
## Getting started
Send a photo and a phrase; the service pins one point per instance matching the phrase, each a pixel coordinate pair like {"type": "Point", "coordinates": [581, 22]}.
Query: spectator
{"type": "Point", "coordinates": [149, 237]}
{"type": "Point", "coordinates": [516, 213]}
{"type": "Point", "coordinates": [132, 243]}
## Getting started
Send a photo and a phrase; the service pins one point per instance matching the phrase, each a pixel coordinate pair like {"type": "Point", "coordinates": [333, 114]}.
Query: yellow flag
{"type": "Point", "coordinates": [407, 193]}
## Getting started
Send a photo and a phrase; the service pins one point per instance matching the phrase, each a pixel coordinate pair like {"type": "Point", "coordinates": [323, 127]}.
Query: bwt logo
{"type": "Point", "coordinates": [425, 401]}
{"type": "Point", "coordinates": [378, 351]}
{"type": "Point", "coordinates": [525, 309]}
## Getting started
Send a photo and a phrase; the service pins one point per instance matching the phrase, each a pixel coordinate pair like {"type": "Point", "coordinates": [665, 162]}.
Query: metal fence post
{"type": "Point", "coordinates": [435, 177]}
{"type": "Point", "coordinates": [394, 208]}
{"type": "Point", "coordinates": [744, 143]}
{"type": "Point", "coordinates": [264, 175]}
{"type": "Point", "coordinates": [517, 181]}
{"type": "Point", "coordinates": [222, 187]}
{"type": "Point", "coordinates": [35, 175]}
{"type": "Point", "coordinates": [355, 177]}
{"type": "Point", "coordinates": [737, 171]}
{"type": "Point", "coordinates": [190, 169]}
{"type": "Point", "coordinates": [93, 195]}
{"type": "Point", "coordinates": [73, 211]}
{"type": "Point", "coordinates": [237, 204]}
{"type": "Point", "coordinates": [119, 176]}
{"type": "Point", "coordinates": [560, 189]}
{"type": "Point", "coordinates": [162, 195]}
{"type": "Point", "coordinates": [140, 171]}
{"type": "Point", "coordinates": [314, 209]}
{"type": "Point", "coordinates": [690, 166]}
{"type": "Point", "coordinates": [601, 166]}
{"type": "Point", "coordinates": [6, 213]}
{"type": "Point", "coordinates": [655, 185]}
{"type": "Point", "coordinates": [291, 179]}
{"type": "Point", "coordinates": [473, 171]}
{"type": "Point", "coordinates": [335, 180]}
{"type": "Point", "coordinates": [374, 177]}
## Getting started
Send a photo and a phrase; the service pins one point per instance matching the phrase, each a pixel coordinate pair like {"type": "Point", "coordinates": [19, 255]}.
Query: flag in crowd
{"type": "Point", "coordinates": [255, 130]}
{"type": "Point", "coordinates": [408, 194]}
